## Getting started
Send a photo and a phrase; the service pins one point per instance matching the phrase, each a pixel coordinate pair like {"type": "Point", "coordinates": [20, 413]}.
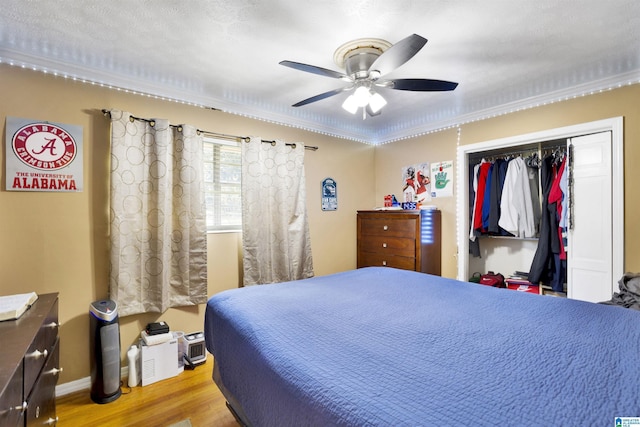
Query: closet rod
{"type": "Point", "coordinates": [547, 149]}
{"type": "Point", "coordinates": [214, 134]}
{"type": "Point", "coordinates": [476, 157]}
{"type": "Point", "coordinates": [543, 148]}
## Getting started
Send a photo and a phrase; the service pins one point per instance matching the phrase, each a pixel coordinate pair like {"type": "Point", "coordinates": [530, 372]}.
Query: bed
{"type": "Point", "coordinates": [379, 346]}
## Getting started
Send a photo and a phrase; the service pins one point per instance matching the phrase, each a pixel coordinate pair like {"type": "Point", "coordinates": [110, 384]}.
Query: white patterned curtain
{"type": "Point", "coordinates": [158, 227]}
{"type": "Point", "coordinates": [275, 231]}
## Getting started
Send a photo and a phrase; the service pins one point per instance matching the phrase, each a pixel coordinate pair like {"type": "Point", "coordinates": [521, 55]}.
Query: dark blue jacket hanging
{"type": "Point", "coordinates": [543, 265]}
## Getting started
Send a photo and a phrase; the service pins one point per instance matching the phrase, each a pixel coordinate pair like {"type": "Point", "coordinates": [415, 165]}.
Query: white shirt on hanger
{"type": "Point", "coordinates": [516, 206]}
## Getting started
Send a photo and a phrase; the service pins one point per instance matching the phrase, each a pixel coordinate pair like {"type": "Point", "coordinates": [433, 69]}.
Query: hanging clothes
{"type": "Point", "coordinates": [516, 206]}
{"type": "Point", "coordinates": [502, 203]}
{"type": "Point", "coordinates": [553, 207]}
{"type": "Point", "coordinates": [497, 183]}
{"type": "Point", "coordinates": [474, 244]}
{"type": "Point", "coordinates": [547, 266]}
{"type": "Point", "coordinates": [533, 165]}
{"type": "Point", "coordinates": [564, 219]}
{"type": "Point", "coordinates": [557, 197]}
{"type": "Point", "coordinates": [474, 202]}
{"type": "Point", "coordinates": [486, 200]}
{"type": "Point", "coordinates": [542, 260]}
{"type": "Point", "coordinates": [482, 183]}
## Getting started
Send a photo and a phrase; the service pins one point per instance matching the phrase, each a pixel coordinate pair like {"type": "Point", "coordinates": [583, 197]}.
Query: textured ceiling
{"type": "Point", "coordinates": [505, 54]}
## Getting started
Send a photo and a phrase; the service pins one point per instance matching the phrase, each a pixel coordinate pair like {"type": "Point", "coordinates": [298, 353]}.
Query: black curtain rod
{"type": "Point", "coordinates": [214, 134]}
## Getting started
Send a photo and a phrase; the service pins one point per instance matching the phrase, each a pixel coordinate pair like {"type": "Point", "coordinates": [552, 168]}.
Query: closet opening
{"type": "Point", "coordinates": [513, 249]}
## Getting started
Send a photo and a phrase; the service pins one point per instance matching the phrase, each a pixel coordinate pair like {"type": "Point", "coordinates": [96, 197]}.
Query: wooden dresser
{"type": "Point", "coordinates": [29, 367]}
{"type": "Point", "coordinates": [409, 240]}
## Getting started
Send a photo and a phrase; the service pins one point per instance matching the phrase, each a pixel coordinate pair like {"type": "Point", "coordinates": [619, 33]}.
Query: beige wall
{"type": "Point", "coordinates": [440, 146]}
{"type": "Point", "coordinates": [389, 163]}
{"type": "Point", "coordinates": [59, 242]}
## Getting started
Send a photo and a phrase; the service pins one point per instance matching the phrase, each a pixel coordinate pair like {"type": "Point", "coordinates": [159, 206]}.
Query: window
{"type": "Point", "coordinates": [222, 180]}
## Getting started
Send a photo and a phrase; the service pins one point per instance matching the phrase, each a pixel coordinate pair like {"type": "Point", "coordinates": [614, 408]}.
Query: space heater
{"type": "Point", "coordinates": [196, 353]}
{"type": "Point", "coordinates": [105, 351]}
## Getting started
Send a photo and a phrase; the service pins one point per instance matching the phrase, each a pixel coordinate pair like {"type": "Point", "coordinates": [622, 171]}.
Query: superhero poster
{"type": "Point", "coordinates": [416, 183]}
{"type": "Point", "coordinates": [43, 156]}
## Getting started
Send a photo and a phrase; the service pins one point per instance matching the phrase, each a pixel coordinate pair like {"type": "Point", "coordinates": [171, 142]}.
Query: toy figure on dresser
{"type": "Point", "coordinates": [390, 201]}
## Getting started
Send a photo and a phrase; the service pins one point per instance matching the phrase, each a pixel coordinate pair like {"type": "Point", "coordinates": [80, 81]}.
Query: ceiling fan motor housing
{"type": "Point", "coordinates": [357, 56]}
{"type": "Point", "coordinates": [357, 64]}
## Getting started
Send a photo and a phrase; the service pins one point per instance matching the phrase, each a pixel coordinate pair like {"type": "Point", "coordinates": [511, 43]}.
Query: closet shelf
{"type": "Point", "coordinates": [533, 239]}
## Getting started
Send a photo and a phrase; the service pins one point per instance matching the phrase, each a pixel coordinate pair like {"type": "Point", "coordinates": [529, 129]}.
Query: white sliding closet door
{"type": "Point", "coordinates": [590, 253]}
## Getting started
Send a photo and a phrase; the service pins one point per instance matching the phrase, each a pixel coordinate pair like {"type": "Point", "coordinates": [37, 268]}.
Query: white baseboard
{"type": "Point", "coordinates": [83, 384]}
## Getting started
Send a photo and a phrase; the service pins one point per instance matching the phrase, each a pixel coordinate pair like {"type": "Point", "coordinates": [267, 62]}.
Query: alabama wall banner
{"type": "Point", "coordinates": [43, 156]}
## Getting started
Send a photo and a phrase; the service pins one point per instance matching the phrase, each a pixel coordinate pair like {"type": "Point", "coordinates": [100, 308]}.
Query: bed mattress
{"type": "Point", "coordinates": [387, 347]}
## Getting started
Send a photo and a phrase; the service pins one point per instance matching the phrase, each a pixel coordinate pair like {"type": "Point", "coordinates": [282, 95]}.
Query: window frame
{"type": "Point", "coordinates": [217, 227]}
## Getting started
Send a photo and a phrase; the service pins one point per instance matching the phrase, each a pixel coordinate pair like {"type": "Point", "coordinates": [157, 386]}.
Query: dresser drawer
{"type": "Point", "coordinates": [370, 259]}
{"type": "Point", "coordinates": [41, 408]}
{"type": "Point", "coordinates": [41, 348]}
{"type": "Point", "coordinates": [11, 401]}
{"type": "Point", "coordinates": [388, 245]}
{"type": "Point", "coordinates": [399, 227]}
{"type": "Point", "coordinates": [28, 356]}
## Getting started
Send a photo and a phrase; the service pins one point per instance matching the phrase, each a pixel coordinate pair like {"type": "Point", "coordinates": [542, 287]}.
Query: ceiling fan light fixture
{"type": "Point", "coordinates": [376, 102]}
{"type": "Point", "coordinates": [362, 96]}
{"type": "Point", "coordinates": [350, 104]}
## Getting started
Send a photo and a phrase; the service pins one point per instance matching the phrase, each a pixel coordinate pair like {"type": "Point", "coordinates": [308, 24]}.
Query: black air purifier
{"type": "Point", "coordinates": [105, 351]}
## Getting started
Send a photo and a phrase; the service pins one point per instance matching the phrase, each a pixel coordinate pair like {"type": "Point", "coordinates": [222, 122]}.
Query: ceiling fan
{"type": "Point", "coordinates": [365, 62]}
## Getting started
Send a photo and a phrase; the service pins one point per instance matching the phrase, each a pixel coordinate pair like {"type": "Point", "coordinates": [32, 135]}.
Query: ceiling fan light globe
{"type": "Point", "coordinates": [350, 104]}
{"type": "Point", "coordinates": [362, 96]}
{"type": "Point", "coordinates": [377, 102]}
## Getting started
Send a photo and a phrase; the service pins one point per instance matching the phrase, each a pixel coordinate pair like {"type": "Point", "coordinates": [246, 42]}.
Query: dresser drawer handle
{"type": "Point", "coordinates": [38, 354]}
{"type": "Point", "coordinates": [52, 421]}
{"type": "Point", "coordinates": [55, 371]}
{"type": "Point", "coordinates": [385, 228]}
{"type": "Point", "coordinates": [384, 245]}
{"type": "Point", "coordinates": [21, 408]}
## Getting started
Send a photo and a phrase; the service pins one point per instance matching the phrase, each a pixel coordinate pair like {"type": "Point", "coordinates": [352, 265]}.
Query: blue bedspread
{"type": "Point", "coordinates": [387, 347]}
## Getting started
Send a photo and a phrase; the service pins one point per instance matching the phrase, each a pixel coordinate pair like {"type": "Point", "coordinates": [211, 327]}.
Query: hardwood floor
{"type": "Point", "coordinates": [191, 394]}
